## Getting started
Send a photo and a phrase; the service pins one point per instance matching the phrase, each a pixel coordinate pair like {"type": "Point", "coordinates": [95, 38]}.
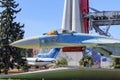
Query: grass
{"type": "Point", "coordinates": [72, 74]}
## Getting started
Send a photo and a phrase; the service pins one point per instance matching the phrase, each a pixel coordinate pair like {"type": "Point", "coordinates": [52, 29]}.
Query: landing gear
{"type": "Point", "coordinates": [36, 66]}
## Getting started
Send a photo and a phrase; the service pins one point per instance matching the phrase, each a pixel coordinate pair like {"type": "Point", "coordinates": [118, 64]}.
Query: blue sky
{"type": "Point", "coordinates": [40, 16]}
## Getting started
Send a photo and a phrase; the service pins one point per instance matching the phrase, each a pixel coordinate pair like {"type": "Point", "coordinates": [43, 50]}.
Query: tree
{"type": "Point", "coordinates": [10, 31]}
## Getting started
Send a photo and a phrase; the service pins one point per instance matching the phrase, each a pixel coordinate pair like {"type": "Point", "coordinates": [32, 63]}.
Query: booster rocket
{"type": "Point", "coordinates": [71, 16]}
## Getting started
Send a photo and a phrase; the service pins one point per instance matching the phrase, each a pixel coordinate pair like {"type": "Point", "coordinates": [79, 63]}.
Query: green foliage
{"type": "Point", "coordinates": [81, 62]}
{"type": "Point", "coordinates": [86, 59]}
{"type": "Point", "coordinates": [62, 62]}
{"type": "Point", "coordinates": [10, 31]}
{"type": "Point", "coordinates": [116, 63]}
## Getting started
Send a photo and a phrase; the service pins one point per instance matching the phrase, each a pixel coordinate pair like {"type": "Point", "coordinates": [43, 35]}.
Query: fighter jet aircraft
{"type": "Point", "coordinates": [61, 40]}
{"type": "Point", "coordinates": [44, 59]}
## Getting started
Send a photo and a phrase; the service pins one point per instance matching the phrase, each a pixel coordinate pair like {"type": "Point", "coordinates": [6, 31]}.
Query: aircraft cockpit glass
{"type": "Point", "coordinates": [53, 32]}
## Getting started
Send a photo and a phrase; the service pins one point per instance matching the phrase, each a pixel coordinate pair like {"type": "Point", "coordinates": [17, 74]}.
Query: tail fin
{"type": "Point", "coordinates": [52, 54]}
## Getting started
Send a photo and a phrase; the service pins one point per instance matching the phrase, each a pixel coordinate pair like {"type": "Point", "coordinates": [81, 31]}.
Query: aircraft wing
{"type": "Point", "coordinates": [113, 48]}
{"type": "Point", "coordinates": [105, 47]}
{"type": "Point", "coordinates": [108, 49]}
{"type": "Point", "coordinates": [102, 41]}
{"type": "Point", "coordinates": [103, 51]}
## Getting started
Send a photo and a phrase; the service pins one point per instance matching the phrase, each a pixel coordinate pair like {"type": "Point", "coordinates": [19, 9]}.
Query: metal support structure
{"type": "Point", "coordinates": [103, 18]}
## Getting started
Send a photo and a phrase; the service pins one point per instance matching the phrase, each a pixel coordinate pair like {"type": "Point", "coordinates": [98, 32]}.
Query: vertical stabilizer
{"type": "Point", "coordinates": [52, 54]}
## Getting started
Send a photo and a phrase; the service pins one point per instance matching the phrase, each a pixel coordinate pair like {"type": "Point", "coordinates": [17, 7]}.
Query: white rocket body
{"type": "Point", "coordinates": [72, 20]}
{"type": "Point", "coordinates": [67, 15]}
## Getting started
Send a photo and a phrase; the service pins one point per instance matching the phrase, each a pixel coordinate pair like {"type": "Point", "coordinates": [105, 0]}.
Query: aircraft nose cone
{"type": "Point", "coordinates": [29, 43]}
